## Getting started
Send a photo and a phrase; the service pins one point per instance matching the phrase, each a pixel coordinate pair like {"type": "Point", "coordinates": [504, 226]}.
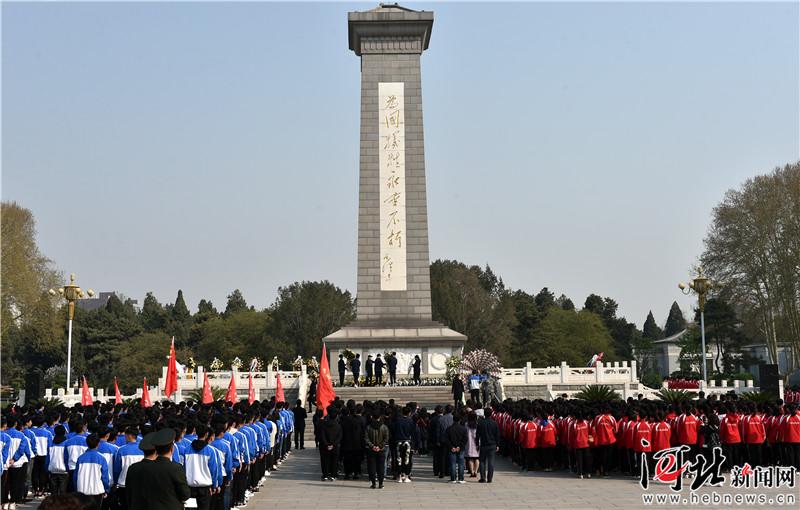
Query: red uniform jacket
{"type": "Point", "coordinates": [580, 431]}
{"type": "Point", "coordinates": [630, 434]}
{"type": "Point", "coordinates": [729, 429]}
{"type": "Point", "coordinates": [642, 437]}
{"type": "Point", "coordinates": [754, 432]}
{"type": "Point", "coordinates": [791, 428]}
{"type": "Point", "coordinates": [686, 426]}
{"type": "Point", "coordinates": [529, 435]}
{"type": "Point", "coordinates": [661, 435]}
{"type": "Point", "coordinates": [547, 434]}
{"type": "Point", "coordinates": [605, 427]}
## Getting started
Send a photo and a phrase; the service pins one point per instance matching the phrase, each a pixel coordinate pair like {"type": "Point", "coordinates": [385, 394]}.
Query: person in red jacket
{"type": "Point", "coordinates": [754, 435]}
{"type": "Point", "coordinates": [730, 437]}
{"type": "Point", "coordinates": [629, 438]}
{"type": "Point", "coordinates": [774, 446]}
{"type": "Point", "coordinates": [582, 438]}
{"type": "Point", "coordinates": [529, 442]}
{"type": "Point", "coordinates": [546, 432]}
{"type": "Point", "coordinates": [790, 429]}
{"type": "Point", "coordinates": [686, 426]}
{"type": "Point", "coordinates": [643, 443]}
{"type": "Point", "coordinates": [661, 432]}
{"type": "Point", "coordinates": [605, 427]}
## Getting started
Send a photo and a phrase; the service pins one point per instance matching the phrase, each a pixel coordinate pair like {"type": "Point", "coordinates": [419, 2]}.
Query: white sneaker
{"type": "Point", "coordinates": [462, 481]}
{"type": "Point", "coordinates": [453, 481]}
{"type": "Point", "coordinates": [268, 473]}
{"type": "Point", "coordinates": [408, 479]}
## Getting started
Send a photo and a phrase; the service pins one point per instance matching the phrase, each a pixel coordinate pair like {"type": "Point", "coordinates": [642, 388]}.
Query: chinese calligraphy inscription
{"type": "Point", "coordinates": [392, 176]}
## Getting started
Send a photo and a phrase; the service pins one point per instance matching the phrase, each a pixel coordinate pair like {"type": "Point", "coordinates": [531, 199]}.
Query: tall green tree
{"type": "Point", "coordinates": [179, 321]}
{"type": "Point", "coordinates": [306, 312]}
{"type": "Point", "coordinates": [566, 335]}
{"type": "Point", "coordinates": [650, 329]}
{"type": "Point", "coordinates": [236, 303]}
{"type": "Point", "coordinates": [153, 316]}
{"type": "Point", "coordinates": [675, 321]}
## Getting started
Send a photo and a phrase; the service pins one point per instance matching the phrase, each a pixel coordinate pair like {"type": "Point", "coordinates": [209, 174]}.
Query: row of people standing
{"type": "Point", "coordinates": [374, 369]}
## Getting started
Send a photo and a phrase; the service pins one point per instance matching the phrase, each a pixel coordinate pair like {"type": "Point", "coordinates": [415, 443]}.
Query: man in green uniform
{"type": "Point", "coordinates": [158, 484]}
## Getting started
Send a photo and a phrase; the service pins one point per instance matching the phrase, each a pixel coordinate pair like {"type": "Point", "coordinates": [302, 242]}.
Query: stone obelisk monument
{"type": "Point", "coordinates": [394, 291]}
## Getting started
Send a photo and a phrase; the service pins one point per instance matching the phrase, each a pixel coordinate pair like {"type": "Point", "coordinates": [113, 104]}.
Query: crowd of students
{"type": "Point", "coordinates": [226, 450]}
{"type": "Point", "coordinates": [612, 437]}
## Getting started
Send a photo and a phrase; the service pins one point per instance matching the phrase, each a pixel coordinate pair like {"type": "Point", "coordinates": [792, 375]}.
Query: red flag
{"type": "Point", "coordinates": [231, 395]}
{"type": "Point", "coordinates": [117, 395]}
{"type": "Point", "coordinates": [251, 392]}
{"type": "Point", "coordinates": [146, 395]}
{"type": "Point", "coordinates": [325, 393]}
{"type": "Point", "coordinates": [208, 397]}
{"type": "Point", "coordinates": [171, 384]}
{"type": "Point", "coordinates": [86, 396]}
{"type": "Point", "coordinates": [279, 397]}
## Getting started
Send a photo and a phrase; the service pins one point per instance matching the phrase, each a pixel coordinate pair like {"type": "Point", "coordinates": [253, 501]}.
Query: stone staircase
{"type": "Point", "coordinates": [424, 396]}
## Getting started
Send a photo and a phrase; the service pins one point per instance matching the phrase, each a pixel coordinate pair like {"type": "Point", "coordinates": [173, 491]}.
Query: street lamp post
{"type": "Point", "coordinates": [700, 285]}
{"type": "Point", "coordinates": [71, 292]}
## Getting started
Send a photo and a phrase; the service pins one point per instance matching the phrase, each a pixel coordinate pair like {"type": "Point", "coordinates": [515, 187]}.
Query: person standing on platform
{"type": "Point", "coordinates": [475, 387]}
{"type": "Point", "coordinates": [342, 369]}
{"type": "Point", "coordinates": [355, 368]}
{"type": "Point", "coordinates": [300, 416]}
{"type": "Point", "coordinates": [312, 393]}
{"type": "Point", "coordinates": [417, 367]}
{"type": "Point", "coordinates": [458, 391]}
{"type": "Point", "coordinates": [391, 363]}
{"type": "Point", "coordinates": [379, 364]}
{"type": "Point", "coordinates": [368, 367]}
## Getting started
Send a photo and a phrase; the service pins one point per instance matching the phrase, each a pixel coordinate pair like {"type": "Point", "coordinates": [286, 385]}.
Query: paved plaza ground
{"type": "Point", "coordinates": [296, 485]}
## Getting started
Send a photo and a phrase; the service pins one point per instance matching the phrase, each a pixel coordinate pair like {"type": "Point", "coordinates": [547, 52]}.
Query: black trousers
{"type": "Point", "coordinates": [392, 376]}
{"type": "Point", "coordinates": [341, 378]}
{"type": "Point", "coordinates": [731, 451]}
{"type": "Point", "coordinates": [376, 462]}
{"type": "Point", "coordinates": [605, 455]}
{"type": "Point", "coordinates": [203, 497]}
{"type": "Point", "coordinates": [583, 460]}
{"type": "Point", "coordinates": [16, 483]}
{"type": "Point", "coordinates": [792, 454]}
{"type": "Point", "coordinates": [58, 483]}
{"type": "Point", "coordinates": [475, 395]}
{"type": "Point", "coordinates": [96, 501]}
{"type": "Point", "coordinates": [417, 379]}
{"type": "Point", "coordinates": [299, 437]}
{"type": "Point", "coordinates": [438, 469]}
{"type": "Point", "coordinates": [330, 462]}
{"type": "Point", "coordinates": [754, 454]}
{"type": "Point", "coordinates": [379, 378]}
{"type": "Point", "coordinates": [39, 474]}
{"type": "Point", "coordinates": [356, 375]}
{"type": "Point", "coordinates": [546, 457]}
{"type": "Point", "coordinates": [486, 459]}
{"type": "Point", "coordinates": [352, 462]}
{"type": "Point", "coordinates": [368, 382]}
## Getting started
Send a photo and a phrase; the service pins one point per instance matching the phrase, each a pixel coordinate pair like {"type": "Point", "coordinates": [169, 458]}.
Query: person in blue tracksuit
{"type": "Point", "coordinates": [19, 453]}
{"type": "Point", "coordinates": [203, 469]}
{"type": "Point", "coordinates": [240, 480]}
{"type": "Point", "coordinates": [127, 455]}
{"type": "Point", "coordinates": [91, 475]}
{"type": "Point", "coordinates": [226, 456]}
{"type": "Point", "coordinates": [74, 446]}
{"type": "Point", "coordinates": [43, 440]}
{"type": "Point", "coordinates": [57, 462]}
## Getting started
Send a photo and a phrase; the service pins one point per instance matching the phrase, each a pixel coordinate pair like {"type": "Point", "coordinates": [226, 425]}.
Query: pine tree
{"type": "Point", "coordinates": [153, 316]}
{"type": "Point", "coordinates": [651, 329]}
{"type": "Point", "coordinates": [180, 313]}
{"type": "Point", "coordinates": [675, 321]}
{"type": "Point", "coordinates": [236, 303]}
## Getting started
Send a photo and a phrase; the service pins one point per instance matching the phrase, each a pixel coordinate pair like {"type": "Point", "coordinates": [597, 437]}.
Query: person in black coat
{"type": "Point", "coordinates": [355, 368]}
{"type": "Point", "coordinates": [312, 393]}
{"type": "Point", "coordinates": [391, 363]}
{"type": "Point", "coordinates": [379, 364]}
{"type": "Point", "coordinates": [417, 366]}
{"type": "Point", "coordinates": [342, 369]}
{"type": "Point", "coordinates": [455, 439]}
{"type": "Point", "coordinates": [433, 441]}
{"type": "Point", "coordinates": [488, 435]}
{"type": "Point", "coordinates": [458, 390]}
{"type": "Point", "coordinates": [369, 366]}
{"type": "Point", "coordinates": [330, 441]}
{"type": "Point", "coordinates": [352, 443]}
{"type": "Point", "coordinates": [300, 416]}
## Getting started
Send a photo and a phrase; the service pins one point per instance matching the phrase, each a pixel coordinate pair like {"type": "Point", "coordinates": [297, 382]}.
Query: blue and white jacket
{"type": "Point", "coordinates": [5, 444]}
{"type": "Point", "coordinates": [234, 446]}
{"type": "Point", "coordinates": [74, 447]}
{"type": "Point", "coordinates": [202, 465]}
{"type": "Point", "coordinates": [126, 456]}
{"type": "Point", "coordinates": [57, 458]}
{"type": "Point", "coordinates": [91, 475]}
{"type": "Point", "coordinates": [19, 449]}
{"type": "Point", "coordinates": [43, 439]}
{"type": "Point", "coordinates": [225, 457]}
{"type": "Point", "coordinates": [32, 440]}
{"type": "Point", "coordinates": [242, 446]}
{"type": "Point", "coordinates": [108, 451]}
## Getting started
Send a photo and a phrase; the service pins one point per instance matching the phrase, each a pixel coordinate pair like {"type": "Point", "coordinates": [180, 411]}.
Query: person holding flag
{"type": "Point", "coordinates": [325, 393]}
{"type": "Point", "coordinates": [171, 384]}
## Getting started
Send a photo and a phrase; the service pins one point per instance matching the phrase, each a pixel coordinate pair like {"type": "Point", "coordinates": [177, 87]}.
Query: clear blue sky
{"type": "Point", "coordinates": [209, 147]}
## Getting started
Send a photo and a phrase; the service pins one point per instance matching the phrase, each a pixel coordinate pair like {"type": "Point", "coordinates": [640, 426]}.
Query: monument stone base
{"type": "Point", "coordinates": [432, 341]}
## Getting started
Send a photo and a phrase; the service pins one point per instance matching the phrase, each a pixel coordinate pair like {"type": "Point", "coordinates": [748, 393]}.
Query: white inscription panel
{"type": "Point", "coordinates": [392, 180]}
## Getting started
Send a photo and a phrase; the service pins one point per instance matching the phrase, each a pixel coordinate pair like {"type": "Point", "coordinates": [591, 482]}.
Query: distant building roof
{"type": "Point", "coordinates": [98, 302]}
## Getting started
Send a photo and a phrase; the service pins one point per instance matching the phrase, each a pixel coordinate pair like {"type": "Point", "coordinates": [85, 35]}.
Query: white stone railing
{"type": "Point", "coordinates": [601, 373]}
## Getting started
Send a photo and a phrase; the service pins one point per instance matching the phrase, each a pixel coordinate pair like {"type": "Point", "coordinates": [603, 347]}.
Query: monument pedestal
{"type": "Point", "coordinates": [431, 341]}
